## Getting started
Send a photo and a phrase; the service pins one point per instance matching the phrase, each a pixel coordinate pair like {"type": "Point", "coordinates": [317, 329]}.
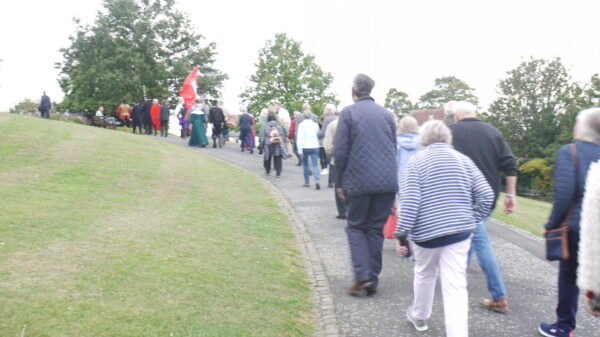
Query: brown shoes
{"type": "Point", "coordinates": [497, 306]}
{"type": "Point", "coordinates": [359, 288]}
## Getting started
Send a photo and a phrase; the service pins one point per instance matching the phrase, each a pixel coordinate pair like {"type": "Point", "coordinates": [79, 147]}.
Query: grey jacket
{"type": "Point", "coordinates": [365, 149]}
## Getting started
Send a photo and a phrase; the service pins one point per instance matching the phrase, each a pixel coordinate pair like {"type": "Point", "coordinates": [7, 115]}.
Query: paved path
{"type": "Point", "coordinates": [530, 280]}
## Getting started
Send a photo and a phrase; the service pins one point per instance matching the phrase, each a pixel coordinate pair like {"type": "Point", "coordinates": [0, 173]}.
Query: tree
{"type": "Point", "coordinates": [24, 107]}
{"type": "Point", "coordinates": [134, 44]}
{"type": "Point", "coordinates": [533, 103]}
{"type": "Point", "coordinates": [447, 89]}
{"type": "Point", "coordinates": [398, 102]}
{"type": "Point", "coordinates": [284, 73]}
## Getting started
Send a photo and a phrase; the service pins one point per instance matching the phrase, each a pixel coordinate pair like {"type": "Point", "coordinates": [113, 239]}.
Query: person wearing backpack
{"type": "Point", "coordinates": [273, 145]}
{"type": "Point", "coordinates": [307, 138]}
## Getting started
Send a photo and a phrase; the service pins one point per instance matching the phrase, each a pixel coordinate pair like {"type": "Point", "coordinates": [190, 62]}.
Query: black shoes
{"type": "Point", "coordinates": [359, 288]}
{"type": "Point", "coordinates": [341, 217]}
{"type": "Point", "coordinates": [317, 186]}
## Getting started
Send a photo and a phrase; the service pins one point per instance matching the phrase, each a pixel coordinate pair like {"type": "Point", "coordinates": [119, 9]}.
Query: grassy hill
{"type": "Point", "coordinates": [105, 233]}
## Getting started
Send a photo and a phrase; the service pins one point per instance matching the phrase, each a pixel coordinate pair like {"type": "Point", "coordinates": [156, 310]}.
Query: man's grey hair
{"type": "Point", "coordinates": [155, 101]}
{"type": "Point", "coordinates": [435, 131]}
{"type": "Point", "coordinates": [307, 114]}
{"type": "Point", "coordinates": [297, 113]}
{"type": "Point", "coordinates": [588, 126]}
{"type": "Point", "coordinates": [406, 125]}
{"type": "Point", "coordinates": [243, 109]}
{"type": "Point", "coordinates": [460, 108]}
{"type": "Point", "coordinates": [362, 85]}
{"type": "Point", "coordinates": [329, 109]}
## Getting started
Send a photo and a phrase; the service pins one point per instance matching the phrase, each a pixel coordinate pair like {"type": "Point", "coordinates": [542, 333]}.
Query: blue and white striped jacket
{"type": "Point", "coordinates": [442, 193]}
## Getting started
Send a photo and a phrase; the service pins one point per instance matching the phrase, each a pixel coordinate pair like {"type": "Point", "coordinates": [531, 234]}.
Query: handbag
{"type": "Point", "coordinates": [390, 227]}
{"type": "Point", "coordinates": [557, 240]}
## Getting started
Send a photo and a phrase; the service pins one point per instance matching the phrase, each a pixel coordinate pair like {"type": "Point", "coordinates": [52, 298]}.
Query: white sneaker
{"type": "Point", "coordinates": [325, 171]}
{"type": "Point", "coordinates": [419, 324]}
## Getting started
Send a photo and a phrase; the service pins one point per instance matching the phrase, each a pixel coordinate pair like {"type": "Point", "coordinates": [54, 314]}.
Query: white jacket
{"type": "Point", "coordinates": [307, 136]}
{"type": "Point", "coordinates": [588, 275]}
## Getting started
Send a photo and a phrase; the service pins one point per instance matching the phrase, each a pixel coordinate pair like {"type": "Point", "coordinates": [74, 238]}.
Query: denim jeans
{"type": "Point", "coordinates": [482, 247]}
{"type": "Point", "coordinates": [314, 157]}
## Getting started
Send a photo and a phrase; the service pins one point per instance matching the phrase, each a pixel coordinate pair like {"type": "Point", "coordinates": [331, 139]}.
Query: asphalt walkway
{"type": "Point", "coordinates": [530, 280]}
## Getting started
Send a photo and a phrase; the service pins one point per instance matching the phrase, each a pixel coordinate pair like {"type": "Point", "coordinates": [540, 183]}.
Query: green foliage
{"type": "Point", "coordinates": [398, 102]}
{"type": "Point", "coordinates": [286, 74]}
{"type": "Point", "coordinates": [533, 106]}
{"type": "Point", "coordinates": [25, 106]}
{"type": "Point", "coordinates": [134, 44]}
{"type": "Point", "coordinates": [538, 173]}
{"type": "Point", "coordinates": [448, 88]}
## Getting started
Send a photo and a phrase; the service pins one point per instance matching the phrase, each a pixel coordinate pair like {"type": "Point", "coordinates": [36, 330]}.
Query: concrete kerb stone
{"type": "Point", "coordinates": [323, 304]}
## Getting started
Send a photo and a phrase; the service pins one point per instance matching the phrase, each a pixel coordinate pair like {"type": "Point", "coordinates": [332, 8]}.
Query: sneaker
{"type": "Point", "coordinates": [500, 306]}
{"type": "Point", "coordinates": [317, 186]}
{"type": "Point", "coordinates": [419, 324]}
{"type": "Point", "coordinates": [551, 330]}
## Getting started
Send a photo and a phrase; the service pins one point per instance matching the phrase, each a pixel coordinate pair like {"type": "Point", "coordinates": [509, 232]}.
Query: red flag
{"type": "Point", "coordinates": [188, 90]}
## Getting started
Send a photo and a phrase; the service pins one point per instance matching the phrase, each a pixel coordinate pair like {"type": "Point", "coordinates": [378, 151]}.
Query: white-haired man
{"type": "Point", "coordinates": [488, 149]}
{"type": "Point", "coordinates": [283, 116]}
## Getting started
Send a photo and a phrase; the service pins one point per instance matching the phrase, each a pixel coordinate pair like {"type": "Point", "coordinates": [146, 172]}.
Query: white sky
{"type": "Point", "coordinates": [402, 44]}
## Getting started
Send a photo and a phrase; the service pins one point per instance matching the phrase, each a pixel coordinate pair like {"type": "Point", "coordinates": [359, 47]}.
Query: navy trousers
{"type": "Point", "coordinates": [367, 215]}
{"type": "Point", "coordinates": [568, 292]}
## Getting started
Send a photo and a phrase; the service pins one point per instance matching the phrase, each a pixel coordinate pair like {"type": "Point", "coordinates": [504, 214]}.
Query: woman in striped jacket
{"type": "Point", "coordinates": [443, 197]}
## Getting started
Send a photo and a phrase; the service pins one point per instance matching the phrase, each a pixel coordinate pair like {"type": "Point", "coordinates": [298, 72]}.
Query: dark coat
{"type": "Point", "coordinates": [45, 104]}
{"type": "Point", "coordinates": [570, 185]}
{"type": "Point", "coordinates": [136, 113]}
{"type": "Point", "coordinates": [246, 122]}
{"type": "Point", "coordinates": [279, 149]}
{"type": "Point", "coordinates": [216, 115]}
{"type": "Point", "coordinates": [165, 112]}
{"type": "Point", "coordinates": [365, 149]}
{"type": "Point", "coordinates": [146, 112]}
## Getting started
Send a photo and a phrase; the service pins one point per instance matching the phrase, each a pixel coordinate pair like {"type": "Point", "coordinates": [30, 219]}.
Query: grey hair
{"type": "Point", "coordinates": [407, 125]}
{"type": "Point", "coordinates": [362, 85]}
{"type": "Point", "coordinates": [307, 114]}
{"type": "Point", "coordinates": [588, 126]}
{"type": "Point", "coordinates": [460, 108]}
{"type": "Point", "coordinates": [330, 107]}
{"type": "Point", "coordinates": [155, 101]}
{"type": "Point", "coordinates": [435, 131]}
{"type": "Point", "coordinates": [243, 109]}
{"type": "Point", "coordinates": [297, 113]}
{"type": "Point", "coordinates": [306, 107]}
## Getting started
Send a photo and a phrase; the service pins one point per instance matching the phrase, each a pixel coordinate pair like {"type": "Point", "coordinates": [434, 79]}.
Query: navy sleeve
{"type": "Point", "coordinates": [564, 188]}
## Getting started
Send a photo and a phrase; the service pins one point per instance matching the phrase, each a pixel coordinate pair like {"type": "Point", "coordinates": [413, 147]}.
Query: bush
{"type": "Point", "coordinates": [537, 174]}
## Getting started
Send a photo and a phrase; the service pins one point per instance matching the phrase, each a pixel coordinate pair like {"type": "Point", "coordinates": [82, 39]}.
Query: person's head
{"type": "Point", "coordinates": [587, 126]}
{"type": "Point", "coordinates": [272, 116]}
{"type": "Point", "coordinates": [44, 93]}
{"type": "Point", "coordinates": [297, 114]}
{"type": "Point", "coordinates": [243, 109]}
{"type": "Point", "coordinates": [198, 100]}
{"type": "Point", "coordinates": [306, 107]}
{"type": "Point", "coordinates": [125, 101]}
{"type": "Point", "coordinates": [277, 105]}
{"type": "Point", "coordinates": [101, 108]}
{"type": "Point", "coordinates": [307, 114]}
{"type": "Point", "coordinates": [362, 86]}
{"type": "Point", "coordinates": [329, 109]}
{"type": "Point", "coordinates": [264, 112]}
{"type": "Point", "coordinates": [136, 103]}
{"type": "Point", "coordinates": [213, 102]}
{"type": "Point", "coordinates": [435, 131]}
{"type": "Point", "coordinates": [460, 110]}
{"type": "Point", "coordinates": [407, 125]}
{"type": "Point", "coordinates": [155, 101]}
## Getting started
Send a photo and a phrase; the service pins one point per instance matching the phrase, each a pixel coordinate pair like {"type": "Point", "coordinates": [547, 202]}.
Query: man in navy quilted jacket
{"type": "Point", "coordinates": [365, 158]}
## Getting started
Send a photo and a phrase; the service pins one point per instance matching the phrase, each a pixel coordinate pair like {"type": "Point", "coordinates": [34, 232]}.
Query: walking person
{"type": "Point", "coordinates": [183, 122]}
{"type": "Point", "coordinates": [146, 117]}
{"type": "Point", "coordinates": [307, 138]}
{"type": "Point", "coordinates": [292, 136]}
{"type": "Point", "coordinates": [198, 124]}
{"type": "Point", "coordinates": [488, 149]}
{"type": "Point", "coordinates": [217, 118]}
{"type": "Point", "coordinates": [136, 117]}
{"type": "Point", "coordinates": [164, 115]}
{"type": "Point", "coordinates": [45, 106]}
{"type": "Point", "coordinates": [155, 115]}
{"type": "Point", "coordinates": [365, 162]}
{"type": "Point", "coordinates": [273, 145]}
{"type": "Point", "coordinates": [570, 173]}
{"type": "Point", "coordinates": [246, 123]}
{"type": "Point", "coordinates": [442, 199]}
{"type": "Point", "coordinates": [329, 146]}
{"type": "Point", "coordinates": [124, 114]}
{"type": "Point", "coordinates": [329, 116]}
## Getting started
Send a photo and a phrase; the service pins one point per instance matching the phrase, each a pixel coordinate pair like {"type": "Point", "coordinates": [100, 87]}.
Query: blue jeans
{"type": "Point", "coordinates": [482, 247]}
{"type": "Point", "coordinates": [314, 157]}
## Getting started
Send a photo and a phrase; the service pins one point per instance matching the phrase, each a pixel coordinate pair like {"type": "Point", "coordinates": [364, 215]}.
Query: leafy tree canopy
{"type": "Point", "coordinates": [134, 43]}
{"type": "Point", "coordinates": [284, 73]}
{"type": "Point", "coordinates": [26, 106]}
{"type": "Point", "coordinates": [448, 88]}
{"type": "Point", "coordinates": [398, 102]}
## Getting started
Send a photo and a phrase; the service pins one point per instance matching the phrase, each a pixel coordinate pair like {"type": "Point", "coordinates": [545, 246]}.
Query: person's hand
{"type": "Point", "coordinates": [510, 204]}
{"type": "Point", "coordinates": [401, 250]}
{"type": "Point", "coordinates": [340, 194]}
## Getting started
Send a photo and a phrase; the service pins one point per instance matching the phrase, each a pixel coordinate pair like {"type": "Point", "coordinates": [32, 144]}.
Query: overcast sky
{"type": "Point", "coordinates": [401, 44]}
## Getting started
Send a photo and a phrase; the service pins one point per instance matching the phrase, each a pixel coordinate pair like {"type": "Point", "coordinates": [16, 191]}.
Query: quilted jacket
{"type": "Point", "coordinates": [365, 149]}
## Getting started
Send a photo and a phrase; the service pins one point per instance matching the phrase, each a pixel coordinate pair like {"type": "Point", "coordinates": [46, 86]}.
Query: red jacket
{"type": "Point", "coordinates": [292, 131]}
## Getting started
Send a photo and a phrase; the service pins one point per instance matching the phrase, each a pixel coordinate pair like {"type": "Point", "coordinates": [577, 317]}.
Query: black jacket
{"type": "Point", "coordinates": [487, 148]}
{"type": "Point", "coordinates": [165, 112]}
{"type": "Point", "coordinates": [136, 112]}
{"type": "Point", "coordinates": [215, 115]}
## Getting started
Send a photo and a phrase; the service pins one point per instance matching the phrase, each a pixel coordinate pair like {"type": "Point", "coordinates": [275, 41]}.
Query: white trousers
{"type": "Point", "coordinates": [451, 263]}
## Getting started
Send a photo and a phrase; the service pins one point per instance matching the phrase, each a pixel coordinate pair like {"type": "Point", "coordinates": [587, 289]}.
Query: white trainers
{"type": "Point", "coordinates": [419, 324]}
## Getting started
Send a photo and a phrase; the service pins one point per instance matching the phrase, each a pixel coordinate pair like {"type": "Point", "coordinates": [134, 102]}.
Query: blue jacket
{"type": "Point", "coordinates": [568, 185]}
{"type": "Point", "coordinates": [406, 148]}
{"type": "Point", "coordinates": [365, 149]}
{"type": "Point", "coordinates": [245, 122]}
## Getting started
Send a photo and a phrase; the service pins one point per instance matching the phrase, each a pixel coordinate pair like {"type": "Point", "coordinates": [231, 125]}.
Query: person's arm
{"type": "Point", "coordinates": [564, 188]}
{"type": "Point", "coordinates": [483, 195]}
{"type": "Point", "coordinates": [410, 200]}
{"type": "Point", "coordinates": [300, 137]}
{"type": "Point", "coordinates": [510, 202]}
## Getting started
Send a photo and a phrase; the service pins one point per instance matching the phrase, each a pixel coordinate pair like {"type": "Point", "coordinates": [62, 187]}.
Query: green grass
{"type": "Point", "coordinates": [531, 215]}
{"type": "Point", "coordinates": [105, 233]}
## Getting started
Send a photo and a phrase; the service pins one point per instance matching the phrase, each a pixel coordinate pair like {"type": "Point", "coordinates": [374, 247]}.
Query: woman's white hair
{"type": "Point", "coordinates": [243, 109]}
{"type": "Point", "coordinates": [435, 132]}
{"type": "Point", "coordinates": [406, 125]}
{"type": "Point", "coordinates": [588, 126]}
